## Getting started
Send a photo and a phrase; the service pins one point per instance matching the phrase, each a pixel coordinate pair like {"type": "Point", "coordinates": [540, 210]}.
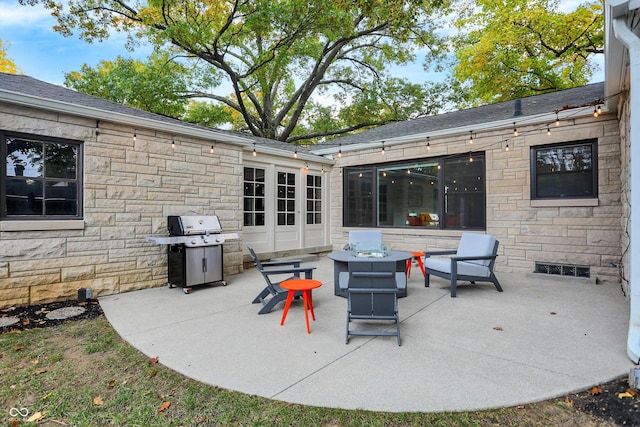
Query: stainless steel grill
{"type": "Point", "coordinates": [194, 250]}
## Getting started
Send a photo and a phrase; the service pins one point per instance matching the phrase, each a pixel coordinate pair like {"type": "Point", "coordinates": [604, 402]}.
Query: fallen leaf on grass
{"type": "Point", "coordinates": [154, 372]}
{"type": "Point", "coordinates": [38, 416]}
{"type": "Point", "coordinates": [163, 407]}
{"type": "Point", "coordinates": [111, 383]}
{"type": "Point", "coordinates": [595, 391]}
{"type": "Point", "coordinates": [568, 401]}
{"type": "Point", "coordinates": [40, 371]}
{"type": "Point", "coordinates": [498, 328]}
{"type": "Point", "coordinates": [153, 361]}
{"type": "Point", "coordinates": [97, 401]}
{"type": "Point", "coordinates": [18, 347]}
{"type": "Point", "coordinates": [14, 422]}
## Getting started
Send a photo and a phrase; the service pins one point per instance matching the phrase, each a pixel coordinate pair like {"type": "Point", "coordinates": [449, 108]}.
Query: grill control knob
{"type": "Point", "coordinates": [193, 242]}
{"type": "Point", "coordinates": [217, 240]}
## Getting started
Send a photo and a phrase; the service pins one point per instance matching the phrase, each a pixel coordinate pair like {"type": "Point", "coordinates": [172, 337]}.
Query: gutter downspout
{"type": "Point", "coordinates": [632, 43]}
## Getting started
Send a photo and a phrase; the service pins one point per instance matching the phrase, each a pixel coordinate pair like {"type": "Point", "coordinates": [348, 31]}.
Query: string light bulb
{"type": "Point", "coordinates": [470, 137]}
{"type": "Point", "coordinates": [135, 135]}
{"type": "Point", "coordinates": [295, 153]}
{"type": "Point", "coordinates": [97, 127]}
{"type": "Point", "coordinates": [211, 149]}
{"type": "Point", "coordinates": [557, 119]}
{"type": "Point", "coordinates": [340, 171]}
{"type": "Point", "coordinates": [507, 146]}
{"type": "Point", "coordinates": [173, 142]}
{"type": "Point", "coordinates": [382, 151]}
{"type": "Point", "coordinates": [340, 151]}
{"type": "Point", "coordinates": [599, 109]}
{"type": "Point", "coordinates": [548, 130]}
{"type": "Point", "coordinates": [254, 150]}
{"type": "Point", "coordinates": [470, 158]}
{"type": "Point", "coordinates": [515, 131]}
{"type": "Point", "coordinates": [595, 112]}
{"type": "Point", "coordinates": [428, 145]}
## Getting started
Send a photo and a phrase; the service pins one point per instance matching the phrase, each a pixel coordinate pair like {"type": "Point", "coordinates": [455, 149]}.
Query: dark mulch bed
{"type": "Point", "coordinates": [35, 316]}
{"type": "Point", "coordinates": [613, 401]}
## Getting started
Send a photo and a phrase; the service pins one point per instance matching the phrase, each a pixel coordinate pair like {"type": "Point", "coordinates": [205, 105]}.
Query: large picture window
{"type": "Point", "coordinates": [41, 177]}
{"type": "Point", "coordinates": [438, 193]}
{"type": "Point", "coordinates": [564, 171]}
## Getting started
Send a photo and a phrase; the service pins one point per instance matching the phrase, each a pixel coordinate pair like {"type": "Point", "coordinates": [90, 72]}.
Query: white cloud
{"type": "Point", "coordinates": [14, 15]}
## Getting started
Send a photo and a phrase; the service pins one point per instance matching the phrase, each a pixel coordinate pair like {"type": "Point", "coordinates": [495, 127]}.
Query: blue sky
{"type": "Point", "coordinates": [40, 52]}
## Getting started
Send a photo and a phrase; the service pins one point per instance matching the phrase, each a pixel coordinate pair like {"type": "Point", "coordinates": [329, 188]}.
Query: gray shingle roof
{"type": "Point", "coordinates": [529, 106]}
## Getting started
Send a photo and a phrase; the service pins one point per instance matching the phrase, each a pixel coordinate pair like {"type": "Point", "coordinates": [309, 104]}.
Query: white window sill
{"type": "Point", "coordinates": [38, 225]}
{"type": "Point", "coordinates": [564, 203]}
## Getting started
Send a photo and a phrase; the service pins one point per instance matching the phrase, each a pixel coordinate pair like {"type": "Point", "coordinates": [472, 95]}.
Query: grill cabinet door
{"type": "Point", "coordinates": [212, 264]}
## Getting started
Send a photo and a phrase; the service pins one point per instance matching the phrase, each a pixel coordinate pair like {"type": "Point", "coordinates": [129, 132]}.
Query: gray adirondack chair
{"type": "Point", "coordinates": [372, 294]}
{"type": "Point", "coordinates": [273, 294]}
{"type": "Point", "coordinates": [473, 261]}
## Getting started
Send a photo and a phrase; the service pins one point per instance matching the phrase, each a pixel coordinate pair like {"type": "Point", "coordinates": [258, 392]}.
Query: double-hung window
{"type": "Point", "coordinates": [41, 177]}
{"type": "Point", "coordinates": [567, 170]}
{"type": "Point", "coordinates": [446, 192]}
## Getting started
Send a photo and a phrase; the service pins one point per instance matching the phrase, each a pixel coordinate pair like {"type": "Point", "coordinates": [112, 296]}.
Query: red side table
{"type": "Point", "coordinates": [305, 286]}
{"type": "Point", "coordinates": [417, 256]}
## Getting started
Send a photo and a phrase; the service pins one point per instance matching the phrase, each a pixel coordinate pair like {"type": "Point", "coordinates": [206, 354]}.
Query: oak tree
{"type": "Point", "coordinates": [284, 62]}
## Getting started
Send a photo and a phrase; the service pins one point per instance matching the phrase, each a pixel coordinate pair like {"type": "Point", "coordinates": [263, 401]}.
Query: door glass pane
{"type": "Point", "coordinates": [464, 197]}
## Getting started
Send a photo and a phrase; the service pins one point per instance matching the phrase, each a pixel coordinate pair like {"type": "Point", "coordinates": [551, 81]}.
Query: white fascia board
{"type": "Point", "coordinates": [276, 152]}
{"type": "Point", "coordinates": [539, 119]}
{"type": "Point", "coordinates": [111, 116]}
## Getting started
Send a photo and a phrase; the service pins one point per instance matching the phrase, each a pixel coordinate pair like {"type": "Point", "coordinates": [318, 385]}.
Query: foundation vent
{"type": "Point", "coordinates": [563, 269]}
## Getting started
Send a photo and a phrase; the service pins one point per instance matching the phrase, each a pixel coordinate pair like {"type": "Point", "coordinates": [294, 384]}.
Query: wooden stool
{"type": "Point", "coordinates": [417, 256]}
{"type": "Point", "coordinates": [305, 286]}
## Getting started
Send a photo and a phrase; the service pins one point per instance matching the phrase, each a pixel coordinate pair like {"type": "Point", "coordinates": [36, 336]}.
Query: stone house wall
{"type": "Point", "coordinates": [564, 232]}
{"type": "Point", "coordinates": [130, 187]}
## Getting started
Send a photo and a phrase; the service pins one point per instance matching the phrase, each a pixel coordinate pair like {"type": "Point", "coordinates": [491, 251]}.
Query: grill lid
{"type": "Point", "coordinates": [186, 225]}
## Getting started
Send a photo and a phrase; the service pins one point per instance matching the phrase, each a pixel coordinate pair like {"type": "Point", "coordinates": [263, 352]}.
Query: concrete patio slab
{"type": "Point", "coordinates": [537, 340]}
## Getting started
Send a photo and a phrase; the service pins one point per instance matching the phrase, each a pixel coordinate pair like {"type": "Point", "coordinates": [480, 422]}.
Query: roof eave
{"type": "Point", "coordinates": [111, 116]}
{"type": "Point", "coordinates": [546, 118]}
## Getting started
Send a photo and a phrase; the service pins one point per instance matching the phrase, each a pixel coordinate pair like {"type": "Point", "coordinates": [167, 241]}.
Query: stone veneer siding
{"type": "Point", "coordinates": [564, 232]}
{"type": "Point", "coordinates": [129, 190]}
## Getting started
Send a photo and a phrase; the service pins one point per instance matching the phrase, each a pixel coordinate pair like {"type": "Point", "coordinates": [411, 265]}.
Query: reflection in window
{"type": "Point", "coordinates": [41, 177]}
{"type": "Point", "coordinates": [358, 197]}
{"type": "Point", "coordinates": [567, 170]}
{"type": "Point", "coordinates": [408, 194]}
{"type": "Point", "coordinates": [437, 193]}
{"type": "Point", "coordinates": [314, 199]}
{"type": "Point", "coordinates": [254, 196]}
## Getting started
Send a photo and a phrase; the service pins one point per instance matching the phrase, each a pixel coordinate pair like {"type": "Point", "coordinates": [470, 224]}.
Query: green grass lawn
{"type": "Point", "coordinates": [82, 374]}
